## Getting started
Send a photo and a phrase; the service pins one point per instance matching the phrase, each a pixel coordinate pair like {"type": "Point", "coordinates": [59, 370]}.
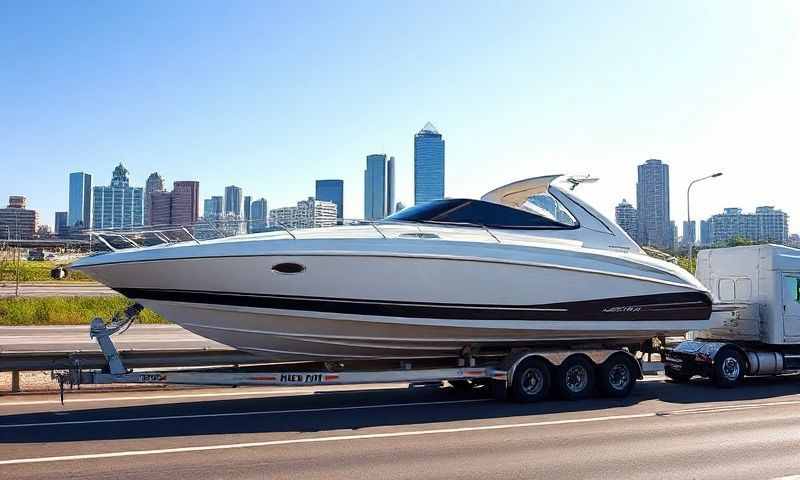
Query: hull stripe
{"type": "Point", "coordinates": [665, 306]}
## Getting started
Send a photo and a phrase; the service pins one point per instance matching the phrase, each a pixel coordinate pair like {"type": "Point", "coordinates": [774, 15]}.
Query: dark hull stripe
{"type": "Point", "coordinates": [660, 307]}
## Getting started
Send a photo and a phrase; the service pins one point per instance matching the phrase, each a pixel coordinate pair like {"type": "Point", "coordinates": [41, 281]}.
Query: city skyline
{"type": "Point", "coordinates": [722, 98]}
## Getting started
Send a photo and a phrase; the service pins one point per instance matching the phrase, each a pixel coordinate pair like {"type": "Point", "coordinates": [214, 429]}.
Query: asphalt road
{"type": "Point", "coordinates": [72, 289]}
{"type": "Point", "coordinates": [662, 431]}
{"type": "Point", "coordinates": [76, 338]}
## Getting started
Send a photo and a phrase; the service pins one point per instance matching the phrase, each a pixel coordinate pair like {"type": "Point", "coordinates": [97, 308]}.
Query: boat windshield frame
{"type": "Point", "coordinates": [427, 213]}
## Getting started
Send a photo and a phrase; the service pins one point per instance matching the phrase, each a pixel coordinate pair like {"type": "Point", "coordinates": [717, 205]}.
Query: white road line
{"type": "Point", "coordinates": [243, 414]}
{"type": "Point", "coordinates": [730, 408]}
{"type": "Point", "coordinates": [411, 433]}
{"type": "Point", "coordinates": [133, 453]}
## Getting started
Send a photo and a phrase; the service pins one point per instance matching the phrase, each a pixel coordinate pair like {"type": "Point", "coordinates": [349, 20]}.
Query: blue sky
{"type": "Point", "coordinates": [273, 95]}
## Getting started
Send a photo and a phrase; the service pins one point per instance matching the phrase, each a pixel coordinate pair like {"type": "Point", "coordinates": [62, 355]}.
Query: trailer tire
{"type": "Point", "coordinates": [575, 378]}
{"type": "Point", "coordinates": [729, 368]}
{"type": "Point", "coordinates": [531, 381]}
{"type": "Point", "coordinates": [677, 376]}
{"type": "Point", "coordinates": [617, 376]}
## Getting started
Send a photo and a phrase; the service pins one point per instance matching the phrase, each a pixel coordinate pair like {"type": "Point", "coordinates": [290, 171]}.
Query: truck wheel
{"type": "Point", "coordinates": [531, 380]}
{"type": "Point", "coordinates": [677, 376]}
{"type": "Point", "coordinates": [728, 368]}
{"type": "Point", "coordinates": [617, 376]}
{"type": "Point", "coordinates": [575, 378]}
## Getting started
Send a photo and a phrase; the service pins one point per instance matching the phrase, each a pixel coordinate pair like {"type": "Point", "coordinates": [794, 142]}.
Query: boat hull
{"type": "Point", "coordinates": [353, 302]}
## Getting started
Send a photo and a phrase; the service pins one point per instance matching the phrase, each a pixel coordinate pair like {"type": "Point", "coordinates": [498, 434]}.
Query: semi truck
{"type": "Point", "coordinates": [756, 331]}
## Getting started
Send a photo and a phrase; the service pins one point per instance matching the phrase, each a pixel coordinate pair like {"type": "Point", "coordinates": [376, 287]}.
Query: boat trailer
{"type": "Point", "coordinates": [523, 374]}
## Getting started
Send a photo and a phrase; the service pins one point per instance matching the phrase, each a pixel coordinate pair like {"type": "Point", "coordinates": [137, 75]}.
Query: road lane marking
{"type": "Point", "coordinates": [728, 408]}
{"type": "Point", "coordinates": [338, 438]}
{"type": "Point", "coordinates": [242, 414]}
{"type": "Point", "coordinates": [411, 433]}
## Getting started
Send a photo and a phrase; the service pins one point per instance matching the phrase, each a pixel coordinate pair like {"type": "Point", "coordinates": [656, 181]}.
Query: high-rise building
{"type": "Point", "coordinates": [80, 200]}
{"type": "Point", "coordinates": [773, 224]}
{"type": "Point", "coordinates": [246, 213]}
{"type": "Point", "coordinates": [185, 202]}
{"type": "Point", "coordinates": [705, 232]}
{"type": "Point", "coordinates": [233, 200]}
{"type": "Point", "coordinates": [160, 207]}
{"type": "Point", "coordinates": [331, 191]}
{"type": "Point", "coordinates": [118, 205]}
{"type": "Point", "coordinates": [61, 223]}
{"type": "Point", "coordinates": [428, 165]}
{"type": "Point", "coordinates": [259, 215]}
{"type": "Point", "coordinates": [767, 224]}
{"type": "Point", "coordinates": [309, 213]}
{"type": "Point", "coordinates": [689, 233]}
{"type": "Point", "coordinates": [16, 221]}
{"type": "Point", "coordinates": [212, 208]}
{"type": "Point", "coordinates": [154, 183]}
{"type": "Point", "coordinates": [390, 187]}
{"type": "Point", "coordinates": [375, 187]}
{"type": "Point", "coordinates": [652, 203]}
{"type": "Point", "coordinates": [674, 229]}
{"type": "Point", "coordinates": [399, 206]}
{"type": "Point", "coordinates": [627, 218]}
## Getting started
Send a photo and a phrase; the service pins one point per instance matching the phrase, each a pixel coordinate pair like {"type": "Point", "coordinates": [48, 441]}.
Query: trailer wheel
{"type": "Point", "coordinates": [677, 376]}
{"type": "Point", "coordinates": [729, 368]}
{"type": "Point", "coordinates": [617, 376]}
{"type": "Point", "coordinates": [575, 378]}
{"type": "Point", "coordinates": [531, 381]}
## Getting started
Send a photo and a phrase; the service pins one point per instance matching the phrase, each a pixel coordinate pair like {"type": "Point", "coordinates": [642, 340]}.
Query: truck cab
{"type": "Point", "coordinates": [755, 329]}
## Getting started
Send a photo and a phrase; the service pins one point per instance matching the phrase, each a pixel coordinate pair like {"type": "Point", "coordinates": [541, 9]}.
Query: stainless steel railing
{"type": "Point", "coordinates": [120, 239]}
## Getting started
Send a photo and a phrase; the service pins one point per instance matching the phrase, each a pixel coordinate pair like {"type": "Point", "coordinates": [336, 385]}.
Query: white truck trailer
{"type": "Point", "coordinates": [760, 335]}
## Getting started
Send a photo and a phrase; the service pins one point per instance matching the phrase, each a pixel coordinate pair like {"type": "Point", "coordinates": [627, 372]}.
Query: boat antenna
{"type": "Point", "coordinates": [576, 180]}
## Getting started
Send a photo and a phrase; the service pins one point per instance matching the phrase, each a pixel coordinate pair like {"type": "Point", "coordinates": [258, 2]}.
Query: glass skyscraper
{"type": "Point", "coordinates": [259, 215]}
{"type": "Point", "coordinates": [118, 205]}
{"type": "Point", "coordinates": [246, 214]}
{"type": "Point", "coordinates": [80, 200]}
{"type": "Point", "coordinates": [652, 203]}
{"type": "Point", "coordinates": [212, 207]}
{"type": "Point", "coordinates": [61, 223]}
{"type": "Point", "coordinates": [428, 165]}
{"type": "Point", "coordinates": [375, 187]}
{"type": "Point", "coordinates": [331, 191]}
{"type": "Point", "coordinates": [233, 200]}
{"type": "Point", "coordinates": [390, 186]}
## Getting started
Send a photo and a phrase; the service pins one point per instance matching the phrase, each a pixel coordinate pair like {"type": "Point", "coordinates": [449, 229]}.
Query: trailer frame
{"type": "Point", "coordinates": [524, 374]}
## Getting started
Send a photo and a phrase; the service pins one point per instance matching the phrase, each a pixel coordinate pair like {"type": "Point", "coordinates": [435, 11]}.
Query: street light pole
{"type": "Point", "coordinates": [689, 214]}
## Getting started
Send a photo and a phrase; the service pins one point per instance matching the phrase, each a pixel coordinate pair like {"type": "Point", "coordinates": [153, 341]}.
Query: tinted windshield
{"type": "Point", "coordinates": [476, 212]}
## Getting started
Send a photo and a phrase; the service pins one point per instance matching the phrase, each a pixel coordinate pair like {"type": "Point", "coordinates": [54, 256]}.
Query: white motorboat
{"type": "Point", "coordinates": [529, 264]}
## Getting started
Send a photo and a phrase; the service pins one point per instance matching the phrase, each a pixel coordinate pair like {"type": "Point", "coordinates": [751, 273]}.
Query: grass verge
{"type": "Point", "coordinates": [36, 272]}
{"type": "Point", "coordinates": [65, 310]}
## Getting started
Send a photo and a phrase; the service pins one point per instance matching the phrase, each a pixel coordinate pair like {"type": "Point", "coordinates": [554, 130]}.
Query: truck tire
{"type": "Point", "coordinates": [531, 381]}
{"type": "Point", "coordinates": [575, 378]}
{"type": "Point", "coordinates": [729, 368]}
{"type": "Point", "coordinates": [677, 376]}
{"type": "Point", "coordinates": [616, 377]}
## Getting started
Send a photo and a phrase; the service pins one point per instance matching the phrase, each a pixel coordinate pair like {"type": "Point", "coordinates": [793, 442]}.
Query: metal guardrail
{"type": "Point", "coordinates": [41, 361]}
